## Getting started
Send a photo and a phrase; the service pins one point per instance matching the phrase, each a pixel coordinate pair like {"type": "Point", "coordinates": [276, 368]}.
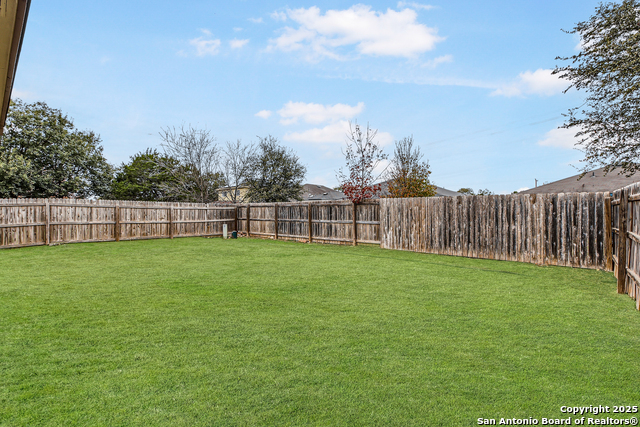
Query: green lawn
{"type": "Point", "coordinates": [201, 332]}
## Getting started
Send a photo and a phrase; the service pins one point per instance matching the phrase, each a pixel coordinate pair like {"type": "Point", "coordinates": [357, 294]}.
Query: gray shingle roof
{"type": "Point", "coordinates": [312, 192]}
{"type": "Point", "coordinates": [593, 181]}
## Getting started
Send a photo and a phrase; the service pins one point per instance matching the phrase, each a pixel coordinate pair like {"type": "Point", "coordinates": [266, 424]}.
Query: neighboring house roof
{"type": "Point", "coordinates": [440, 192]}
{"type": "Point", "coordinates": [13, 21]}
{"type": "Point", "coordinates": [312, 192]}
{"type": "Point", "coordinates": [593, 181]}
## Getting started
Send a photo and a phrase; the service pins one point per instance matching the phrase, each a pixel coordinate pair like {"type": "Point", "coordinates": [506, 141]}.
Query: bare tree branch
{"type": "Point", "coordinates": [198, 174]}
{"type": "Point", "coordinates": [237, 168]}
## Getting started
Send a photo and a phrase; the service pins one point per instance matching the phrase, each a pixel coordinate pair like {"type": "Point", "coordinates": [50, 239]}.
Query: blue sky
{"type": "Point", "coordinates": [470, 80]}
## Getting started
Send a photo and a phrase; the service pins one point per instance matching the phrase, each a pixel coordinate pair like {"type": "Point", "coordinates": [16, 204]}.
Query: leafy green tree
{"type": "Point", "coordinates": [276, 174]}
{"type": "Point", "coordinates": [143, 178]}
{"type": "Point", "coordinates": [14, 175]}
{"type": "Point", "coordinates": [42, 154]}
{"type": "Point", "coordinates": [608, 70]}
{"type": "Point", "coordinates": [408, 173]}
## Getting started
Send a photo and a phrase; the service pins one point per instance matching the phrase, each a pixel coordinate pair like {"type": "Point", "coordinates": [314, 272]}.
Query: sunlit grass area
{"type": "Point", "coordinates": [201, 332]}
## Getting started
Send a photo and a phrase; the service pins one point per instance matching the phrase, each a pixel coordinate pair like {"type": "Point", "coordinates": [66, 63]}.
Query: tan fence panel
{"type": "Point", "coordinates": [29, 222]}
{"type": "Point", "coordinates": [22, 224]}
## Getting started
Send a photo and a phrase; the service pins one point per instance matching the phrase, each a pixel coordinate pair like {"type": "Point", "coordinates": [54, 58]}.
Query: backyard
{"type": "Point", "coordinates": [202, 331]}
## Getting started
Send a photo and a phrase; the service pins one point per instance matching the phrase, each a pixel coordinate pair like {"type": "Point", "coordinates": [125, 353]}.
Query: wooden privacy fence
{"type": "Point", "coordinates": [550, 229]}
{"type": "Point", "coordinates": [588, 230]}
{"type": "Point", "coordinates": [339, 222]}
{"type": "Point", "coordinates": [625, 209]}
{"type": "Point", "coordinates": [33, 222]}
{"type": "Point", "coordinates": [547, 229]}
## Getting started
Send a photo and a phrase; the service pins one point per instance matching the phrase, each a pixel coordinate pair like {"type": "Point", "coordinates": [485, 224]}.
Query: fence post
{"type": "Point", "coordinates": [171, 221]}
{"type": "Point", "coordinates": [622, 242]}
{"type": "Point", "coordinates": [608, 235]}
{"type": "Point", "coordinates": [235, 218]}
{"type": "Point", "coordinates": [116, 227]}
{"type": "Point", "coordinates": [47, 220]}
{"type": "Point", "coordinates": [248, 220]}
{"type": "Point", "coordinates": [275, 220]}
{"type": "Point", "coordinates": [310, 228]}
{"type": "Point", "coordinates": [355, 226]}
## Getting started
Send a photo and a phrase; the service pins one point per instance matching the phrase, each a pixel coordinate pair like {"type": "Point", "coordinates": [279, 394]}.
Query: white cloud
{"type": "Point", "coordinates": [22, 94]}
{"type": "Point", "coordinates": [539, 82]}
{"type": "Point", "coordinates": [236, 29]}
{"type": "Point", "coordinates": [265, 114]}
{"type": "Point", "coordinates": [205, 45]}
{"type": "Point", "coordinates": [522, 189]}
{"type": "Point", "coordinates": [560, 137]}
{"type": "Point", "coordinates": [237, 44]}
{"type": "Point", "coordinates": [317, 113]}
{"type": "Point", "coordinates": [390, 33]}
{"type": "Point", "coordinates": [256, 20]}
{"type": "Point", "coordinates": [279, 16]}
{"type": "Point", "coordinates": [414, 5]}
{"type": "Point", "coordinates": [437, 61]}
{"type": "Point", "coordinates": [381, 168]}
{"type": "Point", "coordinates": [332, 133]}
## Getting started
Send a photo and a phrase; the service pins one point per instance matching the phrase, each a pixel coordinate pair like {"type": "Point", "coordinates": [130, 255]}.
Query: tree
{"type": "Point", "coordinates": [469, 192]}
{"type": "Point", "coordinates": [363, 157]}
{"type": "Point", "coordinates": [144, 179]}
{"type": "Point", "coordinates": [607, 68]}
{"type": "Point", "coordinates": [15, 175]}
{"type": "Point", "coordinates": [197, 175]}
{"type": "Point", "coordinates": [408, 173]}
{"type": "Point", "coordinates": [42, 154]}
{"type": "Point", "coordinates": [237, 167]}
{"type": "Point", "coordinates": [275, 174]}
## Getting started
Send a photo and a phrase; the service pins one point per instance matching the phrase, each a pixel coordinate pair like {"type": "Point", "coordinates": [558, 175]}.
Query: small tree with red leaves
{"type": "Point", "coordinates": [363, 156]}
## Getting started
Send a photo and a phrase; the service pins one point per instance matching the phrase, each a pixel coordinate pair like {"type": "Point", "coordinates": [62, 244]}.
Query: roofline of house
{"type": "Point", "coordinates": [22, 13]}
{"type": "Point", "coordinates": [232, 187]}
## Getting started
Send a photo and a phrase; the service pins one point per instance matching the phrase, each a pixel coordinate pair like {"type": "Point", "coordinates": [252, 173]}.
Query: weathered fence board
{"type": "Point", "coordinates": [546, 229]}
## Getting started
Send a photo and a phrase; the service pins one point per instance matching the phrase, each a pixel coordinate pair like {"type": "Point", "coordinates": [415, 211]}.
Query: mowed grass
{"type": "Point", "coordinates": [207, 332]}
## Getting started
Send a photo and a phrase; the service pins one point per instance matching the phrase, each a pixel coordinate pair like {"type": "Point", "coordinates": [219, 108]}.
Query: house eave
{"type": "Point", "coordinates": [13, 21]}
